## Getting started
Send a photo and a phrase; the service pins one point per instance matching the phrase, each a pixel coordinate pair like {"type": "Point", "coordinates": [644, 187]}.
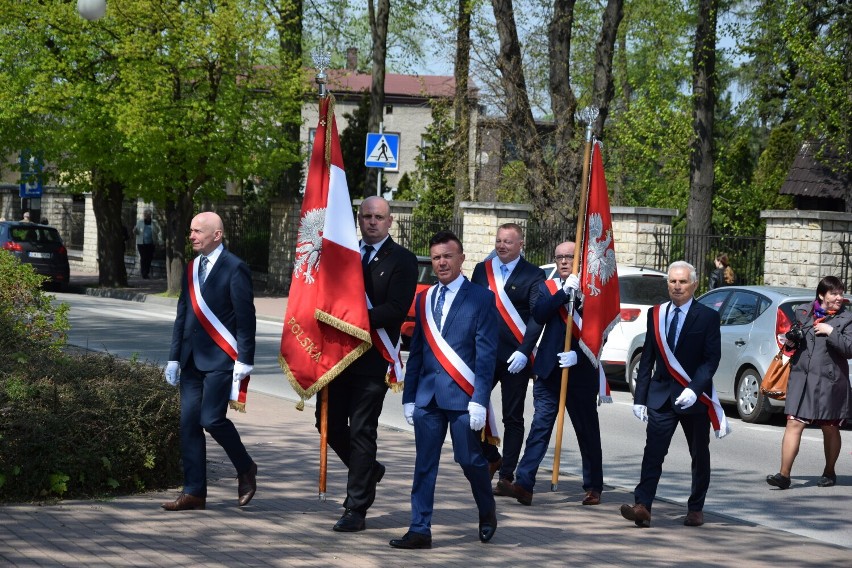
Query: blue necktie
{"type": "Point", "coordinates": [202, 269]}
{"type": "Point", "coordinates": [504, 270]}
{"type": "Point", "coordinates": [438, 310]}
{"type": "Point", "coordinates": [670, 336]}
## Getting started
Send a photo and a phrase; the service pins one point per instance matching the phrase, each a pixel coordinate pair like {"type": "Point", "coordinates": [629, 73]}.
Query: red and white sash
{"type": "Point", "coordinates": [507, 310]}
{"type": "Point", "coordinates": [218, 333]}
{"type": "Point", "coordinates": [717, 416]}
{"type": "Point", "coordinates": [390, 352]}
{"type": "Point", "coordinates": [604, 394]}
{"type": "Point", "coordinates": [452, 363]}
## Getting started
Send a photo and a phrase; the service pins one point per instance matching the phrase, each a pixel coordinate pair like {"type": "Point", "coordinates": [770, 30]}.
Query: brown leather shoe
{"type": "Point", "coordinates": [504, 488]}
{"type": "Point", "coordinates": [694, 519]}
{"type": "Point", "coordinates": [592, 498]}
{"type": "Point", "coordinates": [637, 513]}
{"type": "Point", "coordinates": [247, 484]}
{"type": "Point", "coordinates": [186, 502]}
{"type": "Point", "coordinates": [494, 467]}
{"type": "Point", "coordinates": [523, 496]}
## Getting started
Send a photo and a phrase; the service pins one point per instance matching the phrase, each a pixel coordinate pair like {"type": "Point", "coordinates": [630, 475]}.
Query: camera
{"type": "Point", "coordinates": [796, 334]}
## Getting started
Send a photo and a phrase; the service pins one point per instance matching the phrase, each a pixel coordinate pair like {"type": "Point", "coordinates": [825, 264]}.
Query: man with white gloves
{"type": "Point", "coordinates": [211, 357]}
{"type": "Point", "coordinates": [583, 385]}
{"type": "Point", "coordinates": [448, 385]}
{"type": "Point", "coordinates": [515, 283]}
{"type": "Point", "coordinates": [681, 353]}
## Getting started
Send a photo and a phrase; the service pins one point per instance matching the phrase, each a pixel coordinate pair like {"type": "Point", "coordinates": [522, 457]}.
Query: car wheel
{"type": "Point", "coordinates": [632, 371]}
{"type": "Point", "coordinates": [752, 406]}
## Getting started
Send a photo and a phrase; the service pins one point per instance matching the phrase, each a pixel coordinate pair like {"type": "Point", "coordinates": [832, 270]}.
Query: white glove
{"type": "Point", "coordinates": [517, 361]}
{"type": "Point", "coordinates": [173, 373]}
{"type": "Point", "coordinates": [567, 359]}
{"type": "Point", "coordinates": [477, 416]}
{"type": "Point", "coordinates": [408, 411]}
{"type": "Point", "coordinates": [241, 371]}
{"type": "Point", "coordinates": [640, 411]}
{"type": "Point", "coordinates": [572, 282]}
{"type": "Point", "coordinates": [686, 399]}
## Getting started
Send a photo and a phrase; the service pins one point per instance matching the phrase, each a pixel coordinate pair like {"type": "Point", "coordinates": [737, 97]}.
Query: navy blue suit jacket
{"type": "Point", "coordinates": [229, 294]}
{"type": "Point", "coordinates": [698, 350]}
{"type": "Point", "coordinates": [546, 311]}
{"type": "Point", "coordinates": [522, 290]}
{"type": "Point", "coordinates": [471, 330]}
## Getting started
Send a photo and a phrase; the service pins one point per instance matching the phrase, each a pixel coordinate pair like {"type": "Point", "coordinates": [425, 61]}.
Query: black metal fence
{"type": "Point", "coordinates": [248, 236]}
{"type": "Point", "coordinates": [745, 254]}
{"type": "Point", "coordinates": [540, 239]}
{"type": "Point", "coordinates": [414, 234]}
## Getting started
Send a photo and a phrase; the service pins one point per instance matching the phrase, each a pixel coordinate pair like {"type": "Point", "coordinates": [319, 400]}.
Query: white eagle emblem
{"type": "Point", "coordinates": [600, 258]}
{"type": "Point", "coordinates": [309, 244]}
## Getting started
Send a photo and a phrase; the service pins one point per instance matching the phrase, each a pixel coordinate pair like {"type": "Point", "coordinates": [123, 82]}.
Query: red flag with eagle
{"type": "Point", "coordinates": [326, 325]}
{"type": "Point", "coordinates": [599, 278]}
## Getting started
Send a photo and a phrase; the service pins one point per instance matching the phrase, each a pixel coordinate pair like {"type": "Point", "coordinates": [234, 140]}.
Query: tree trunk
{"type": "Point", "coordinates": [701, 176]}
{"type": "Point", "coordinates": [462, 106]}
{"type": "Point", "coordinates": [521, 125]}
{"type": "Point", "coordinates": [379, 30]}
{"type": "Point", "coordinates": [564, 104]}
{"type": "Point", "coordinates": [178, 218]}
{"type": "Point", "coordinates": [107, 199]}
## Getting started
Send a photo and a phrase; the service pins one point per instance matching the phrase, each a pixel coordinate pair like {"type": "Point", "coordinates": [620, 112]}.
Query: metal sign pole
{"type": "Point", "coordinates": [379, 177]}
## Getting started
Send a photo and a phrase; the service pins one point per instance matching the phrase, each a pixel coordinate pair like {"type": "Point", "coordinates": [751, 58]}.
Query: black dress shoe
{"type": "Point", "coordinates": [827, 481]}
{"type": "Point", "coordinates": [487, 526]}
{"type": "Point", "coordinates": [351, 521]}
{"type": "Point", "coordinates": [185, 502]}
{"type": "Point", "coordinates": [247, 484]}
{"type": "Point", "coordinates": [412, 540]}
{"type": "Point", "coordinates": [694, 519]}
{"type": "Point", "coordinates": [779, 481]}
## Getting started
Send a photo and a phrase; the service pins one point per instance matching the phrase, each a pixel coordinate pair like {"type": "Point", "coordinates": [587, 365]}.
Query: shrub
{"type": "Point", "coordinates": [75, 425]}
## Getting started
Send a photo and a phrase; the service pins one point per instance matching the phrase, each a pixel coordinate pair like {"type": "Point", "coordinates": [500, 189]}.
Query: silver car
{"type": "Point", "coordinates": [753, 318]}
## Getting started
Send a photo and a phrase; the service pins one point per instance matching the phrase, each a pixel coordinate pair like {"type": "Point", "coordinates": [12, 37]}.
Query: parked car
{"type": "Point", "coordinates": [753, 319]}
{"type": "Point", "coordinates": [639, 288]}
{"type": "Point", "coordinates": [37, 245]}
{"type": "Point", "coordinates": [425, 278]}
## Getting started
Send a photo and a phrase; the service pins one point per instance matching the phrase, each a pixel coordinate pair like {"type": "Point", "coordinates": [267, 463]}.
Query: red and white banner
{"type": "Point", "coordinates": [599, 278]}
{"type": "Point", "coordinates": [326, 326]}
{"type": "Point", "coordinates": [718, 420]}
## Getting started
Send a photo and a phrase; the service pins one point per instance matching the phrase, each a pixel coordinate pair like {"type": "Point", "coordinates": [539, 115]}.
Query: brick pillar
{"type": "Point", "coordinates": [633, 231]}
{"type": "Point", "coordinates": [803, 246]}
{"type": "Point", "coordinates": [90, 238]}
{"type": "Point", "coordinates": [479, 228]}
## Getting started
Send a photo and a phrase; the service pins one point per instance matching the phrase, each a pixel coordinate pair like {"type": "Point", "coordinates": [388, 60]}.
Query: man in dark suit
{"type": "Point", "coordinates": [216, 295]}
{"type": "Point", "coordinates": [355, 398]}
{"type": "Point", "coordinates": [514, 282]}
{"type": "Point", "coordinates": [448, 383]}
{"type": "Point", "coordinates": [583, 387]}
{"type": "Point", "coordinates": [681, 333]}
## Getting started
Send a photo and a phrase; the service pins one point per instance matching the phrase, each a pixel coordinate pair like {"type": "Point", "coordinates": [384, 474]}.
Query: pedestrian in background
{"type": "Point", "coordinates": [818, 391]}
{"type": "Point", "coordinates": [723, 275]}
{"type": "Point", "coordinates": [148, 236]}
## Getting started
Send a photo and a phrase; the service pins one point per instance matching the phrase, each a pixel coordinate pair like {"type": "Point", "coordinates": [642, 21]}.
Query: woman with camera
{"type": "Point", "coordinates": [818, 392]}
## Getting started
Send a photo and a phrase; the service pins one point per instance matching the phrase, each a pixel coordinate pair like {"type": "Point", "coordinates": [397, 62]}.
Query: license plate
{"type": "Point", "coordinates": [40, 255]}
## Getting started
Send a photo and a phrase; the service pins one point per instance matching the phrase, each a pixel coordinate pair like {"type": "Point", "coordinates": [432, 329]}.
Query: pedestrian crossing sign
{"type": "Point", "coordinates": [382, 150]}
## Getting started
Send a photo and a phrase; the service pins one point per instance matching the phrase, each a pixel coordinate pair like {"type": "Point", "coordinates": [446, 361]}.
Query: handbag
{"type": "Point", "coordinates": [774, 384]}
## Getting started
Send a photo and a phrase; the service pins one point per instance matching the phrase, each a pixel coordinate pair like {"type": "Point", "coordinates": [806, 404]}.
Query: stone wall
{"type": "Point", "coordinates": [633, 230]}
{"type": "Point", "coordinates": [804, 246]}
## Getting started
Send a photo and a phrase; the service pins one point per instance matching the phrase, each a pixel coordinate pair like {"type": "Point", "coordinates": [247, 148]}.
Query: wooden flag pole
{"type": "Point", "coordinates": [589, 114]}
{"type": "Point", "coordinates": [321, 62]}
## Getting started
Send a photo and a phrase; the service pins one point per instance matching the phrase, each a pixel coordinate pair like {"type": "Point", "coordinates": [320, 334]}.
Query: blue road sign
{"type": "Point", "coordinates": [31, 167]}
{"type": "Point", "coordinates": [382, 150]}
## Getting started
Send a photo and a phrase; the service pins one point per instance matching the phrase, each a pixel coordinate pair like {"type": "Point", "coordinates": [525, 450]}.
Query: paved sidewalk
{"type": "Point", "coordinates": [286, 524]}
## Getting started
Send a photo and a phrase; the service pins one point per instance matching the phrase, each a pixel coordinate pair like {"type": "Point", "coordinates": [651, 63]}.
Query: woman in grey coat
{"type": "Point", "coordinates": [819, 390]}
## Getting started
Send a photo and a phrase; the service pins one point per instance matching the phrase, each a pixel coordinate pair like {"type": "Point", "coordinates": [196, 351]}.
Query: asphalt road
{"type": "Point", "coordinates": [740, 461]}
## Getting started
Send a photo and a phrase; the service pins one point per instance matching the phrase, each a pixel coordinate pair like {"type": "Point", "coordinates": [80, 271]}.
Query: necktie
{"type": "Point", "coordinates": [670, 336]}
{"type": "Point", "coordinates": [365, 260]}
{"type": "Point", "coordinates": [202, 269]}
{"type": "Point", "coordinates": [504, 270]}
{"type": "Point", "coordinates": [438, 310]}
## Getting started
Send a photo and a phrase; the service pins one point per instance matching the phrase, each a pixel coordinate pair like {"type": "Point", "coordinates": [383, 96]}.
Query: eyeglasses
{"type": "Point", "coordinates": [561, 257]}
